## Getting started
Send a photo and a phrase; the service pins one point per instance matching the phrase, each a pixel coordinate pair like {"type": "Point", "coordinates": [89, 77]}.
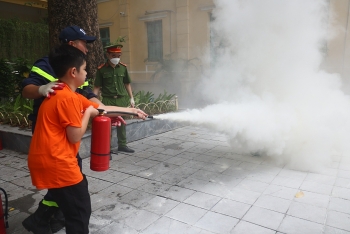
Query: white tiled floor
{"type": "Point", "coordinates": [189, 181]}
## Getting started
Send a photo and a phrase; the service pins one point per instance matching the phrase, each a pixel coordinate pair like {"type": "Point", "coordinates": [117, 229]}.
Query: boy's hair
{"type": "Point", "coordinates": [64, 57]}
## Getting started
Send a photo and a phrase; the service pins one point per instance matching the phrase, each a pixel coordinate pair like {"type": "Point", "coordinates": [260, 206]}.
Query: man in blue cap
{"type": "Point", "coordinates": [40, 84]}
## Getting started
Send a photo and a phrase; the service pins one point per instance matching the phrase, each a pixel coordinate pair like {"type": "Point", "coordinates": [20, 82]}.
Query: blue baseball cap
{"type": "Point", "coordinates": [73, 33]}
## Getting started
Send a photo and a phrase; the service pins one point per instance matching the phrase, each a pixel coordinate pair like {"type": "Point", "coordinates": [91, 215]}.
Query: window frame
{"type": "Point", "coordinates": [105, 40]}
{"type": "Point", "coordinates": [154, 40]}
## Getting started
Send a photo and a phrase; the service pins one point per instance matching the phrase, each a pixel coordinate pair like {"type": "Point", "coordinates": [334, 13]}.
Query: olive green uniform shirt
{"type": "Point", "coordinates": [112, 80]}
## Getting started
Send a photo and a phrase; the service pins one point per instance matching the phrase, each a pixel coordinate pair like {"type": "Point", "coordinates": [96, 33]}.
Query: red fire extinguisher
{"type": "Point", "coordinates": [100, 142]}
{"type": "Point", "coordinates": [3, 216]}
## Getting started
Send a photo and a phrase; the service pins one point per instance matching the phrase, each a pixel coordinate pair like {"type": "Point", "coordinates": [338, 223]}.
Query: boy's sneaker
{"type": "Point", "coordinates": [38, 223]}
{"type": "Point", "coordinates": [57, 222]}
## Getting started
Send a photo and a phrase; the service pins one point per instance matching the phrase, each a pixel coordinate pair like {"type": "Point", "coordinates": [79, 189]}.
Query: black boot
{"type": "Point", "coordinates": [38, 223]}
{"type": "Point", "coordinates": [125, 149]}
{"type": "Point", "coordinates": [57, 222]}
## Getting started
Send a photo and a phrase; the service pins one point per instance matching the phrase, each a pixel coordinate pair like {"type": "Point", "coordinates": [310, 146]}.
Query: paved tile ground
{"type": "Point", "coordinates": [187, 181]}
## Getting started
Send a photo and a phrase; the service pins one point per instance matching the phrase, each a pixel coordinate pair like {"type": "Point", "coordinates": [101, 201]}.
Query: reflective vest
{"type": "Point", "coordinates": [51, 78]}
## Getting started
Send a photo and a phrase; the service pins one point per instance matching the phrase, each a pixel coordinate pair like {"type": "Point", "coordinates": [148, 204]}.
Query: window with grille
{"type": "Point", "coordinates": [104, 34]}
{"type": "Point", "coordinates": [155, 41]}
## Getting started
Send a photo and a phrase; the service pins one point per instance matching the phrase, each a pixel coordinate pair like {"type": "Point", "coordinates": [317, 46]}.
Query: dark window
{"type": "Point", "coordinates": [104, 34]}
{"type": "Point", "coordinates": [155, 40]}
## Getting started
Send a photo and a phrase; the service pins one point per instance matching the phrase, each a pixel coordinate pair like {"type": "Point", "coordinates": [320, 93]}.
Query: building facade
{"type": "Point", "coordinates": [337, 59]}
{"type": "Point", "coordinates": [160, 35]}
{"type": "Point", "coordinates": [33, 11]}
{"type": "Point", "coordinates": [165, 36]}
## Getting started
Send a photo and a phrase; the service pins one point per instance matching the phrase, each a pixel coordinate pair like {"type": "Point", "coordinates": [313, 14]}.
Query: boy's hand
{"type": "Point", "coordinates": [91, 111]}
{"type": "Point", "coordinates": [49, 89]}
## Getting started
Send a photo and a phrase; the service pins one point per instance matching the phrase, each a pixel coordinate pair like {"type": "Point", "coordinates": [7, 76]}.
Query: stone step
{"type": "Point", "coordinates": [17, 139]}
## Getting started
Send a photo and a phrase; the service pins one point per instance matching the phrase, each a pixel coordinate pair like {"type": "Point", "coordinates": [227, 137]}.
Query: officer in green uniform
{"type": "Point", "coordinates": [113, 80]}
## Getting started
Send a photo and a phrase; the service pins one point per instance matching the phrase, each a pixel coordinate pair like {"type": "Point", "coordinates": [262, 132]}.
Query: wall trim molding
{"type": "Point", "coordinates": [155, 16]}
{"type": "Point", "coordinates": [207, 8]}
{"type": "Point", "coordinates": [105, 25]}
{"type": "Point", "coordinates": [100, 1]}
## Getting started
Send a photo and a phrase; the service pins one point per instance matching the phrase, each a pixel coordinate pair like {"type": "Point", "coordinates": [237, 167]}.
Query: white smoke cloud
{"type": "Point", "coordinates": [271, 94]}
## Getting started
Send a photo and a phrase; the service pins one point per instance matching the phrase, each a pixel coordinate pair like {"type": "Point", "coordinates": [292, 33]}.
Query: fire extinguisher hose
{"type": "Point", "coordinates": [6, 208]}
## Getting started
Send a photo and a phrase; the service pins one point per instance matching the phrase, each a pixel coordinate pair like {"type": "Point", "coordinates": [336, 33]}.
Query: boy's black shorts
{"type": "Point", "coordinates": [75, 204]}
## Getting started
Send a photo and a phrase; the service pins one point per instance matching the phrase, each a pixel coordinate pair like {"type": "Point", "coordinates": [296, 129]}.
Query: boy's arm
{"type": "Point", "coordinates": [95, 100]}
{"type": "Point", "coordinates": [140, 113]}
{"type": "Point", "coordinates": [74, 134]}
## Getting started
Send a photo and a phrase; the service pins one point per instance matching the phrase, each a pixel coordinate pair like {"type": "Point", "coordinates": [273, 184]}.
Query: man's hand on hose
{"type": "Point", "coordinates": [132, 102]}
{"type": "Point", "coordinates": [49, 89]}
{"type": "Point", "coordinates": [117, 121]}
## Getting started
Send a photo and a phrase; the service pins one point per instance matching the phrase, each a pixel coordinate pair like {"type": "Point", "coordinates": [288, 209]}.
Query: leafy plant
{"type": "Point", "coordinates": [14, 109]}
{"type": "Point", "coordinates": [21, 71]}
{"type": "Point", "coordinates": [142, 97]}
{"type": "Point", "coordinates": [120, 40]}
{"type": "Point", "coordinates": [7, 88]}
{"type": "Point", "coordinates": [164, 97]}
{"type": "Point", "coordinates": [19, 38]}
{"type": "Point", "coordinates": [162, 104]}
{"type": "Point", "coordinates": [15, 112]}
{"type": "Point", "coordinates": [12, 75]}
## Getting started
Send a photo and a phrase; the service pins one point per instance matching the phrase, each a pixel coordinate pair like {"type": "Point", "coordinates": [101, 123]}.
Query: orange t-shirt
{"type": "Point", "coordinates": [52, 158]}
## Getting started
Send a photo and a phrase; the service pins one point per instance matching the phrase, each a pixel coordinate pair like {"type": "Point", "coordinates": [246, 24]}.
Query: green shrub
{"type": "Point", "coordinates": [15, 111]}
{"type": "Point", "coordinates": [23, 39]}
{"type": "Point", "coordinates": [7, 89]}
{"type": "Point", "coordinates": [162, 104]}
{"type": "Point", "coordinates": [11, 77]}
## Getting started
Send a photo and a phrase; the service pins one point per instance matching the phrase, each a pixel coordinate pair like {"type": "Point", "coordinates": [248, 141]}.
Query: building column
{"type": "Point", "coordinates": [125, 31]}
{"type": "Point", "coordinates": [182, 29]}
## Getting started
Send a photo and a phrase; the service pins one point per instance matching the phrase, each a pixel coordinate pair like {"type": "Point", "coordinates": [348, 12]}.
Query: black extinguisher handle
{"type": "Point", "coordinates": [101, 111]}
{"type": "Point", "coordinates": [6, 208]}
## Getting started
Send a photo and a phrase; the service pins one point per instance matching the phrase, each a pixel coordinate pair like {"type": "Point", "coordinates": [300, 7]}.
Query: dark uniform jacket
{"type": "Point", "coordinates": [42, 74]}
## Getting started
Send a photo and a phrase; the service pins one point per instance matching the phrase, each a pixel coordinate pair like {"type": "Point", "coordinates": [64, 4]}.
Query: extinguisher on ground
{"type": "Point", "coordinates": [3, 215]}
{"type": "Point", "coordinates": [100, 142]}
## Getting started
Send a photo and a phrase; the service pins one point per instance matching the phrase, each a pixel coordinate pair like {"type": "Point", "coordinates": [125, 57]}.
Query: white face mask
{"type": "Point", "coordinates": [115, 61]}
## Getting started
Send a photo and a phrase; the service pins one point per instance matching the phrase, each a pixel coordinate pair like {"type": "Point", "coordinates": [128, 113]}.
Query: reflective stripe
{"type": "Point", "coordinates": [43, 74]}
{"type": "Point", "coordinates": [86, 83]}
{"type": "Point", "coordinates": [50, 203]}
{"type": "Point", "coordinates": [51, 78]}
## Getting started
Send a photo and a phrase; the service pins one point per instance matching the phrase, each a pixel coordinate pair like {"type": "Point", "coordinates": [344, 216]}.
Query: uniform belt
{"type": "Point", "coordinates": [116, 96]}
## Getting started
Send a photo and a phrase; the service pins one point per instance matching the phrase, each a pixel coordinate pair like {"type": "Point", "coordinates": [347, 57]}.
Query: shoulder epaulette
{"type": "Point", "coordinates": [101, 66]}
{"type": "Point", "coordinates": [122, 64]}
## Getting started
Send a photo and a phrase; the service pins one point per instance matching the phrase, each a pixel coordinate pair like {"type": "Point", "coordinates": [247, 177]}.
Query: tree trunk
{"type": "Point", "coordinates": [83, 13]}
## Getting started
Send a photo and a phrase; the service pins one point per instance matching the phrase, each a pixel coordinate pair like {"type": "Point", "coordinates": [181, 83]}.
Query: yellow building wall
{"type": "Point", "coordinates": [23, 10]}
{"type": "Point", "coordinates": [138, 32]}
{"type": "Point", "coordinates": [338, 46]}
{"type": "Point", "coordinates": [185, 25]}
{"type": "Point", "coordinates": [34, 3]}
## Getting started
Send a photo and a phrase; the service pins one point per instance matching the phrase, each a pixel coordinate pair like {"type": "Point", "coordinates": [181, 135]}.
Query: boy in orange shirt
{"type": "Point", "coordinates": [62, 121]}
